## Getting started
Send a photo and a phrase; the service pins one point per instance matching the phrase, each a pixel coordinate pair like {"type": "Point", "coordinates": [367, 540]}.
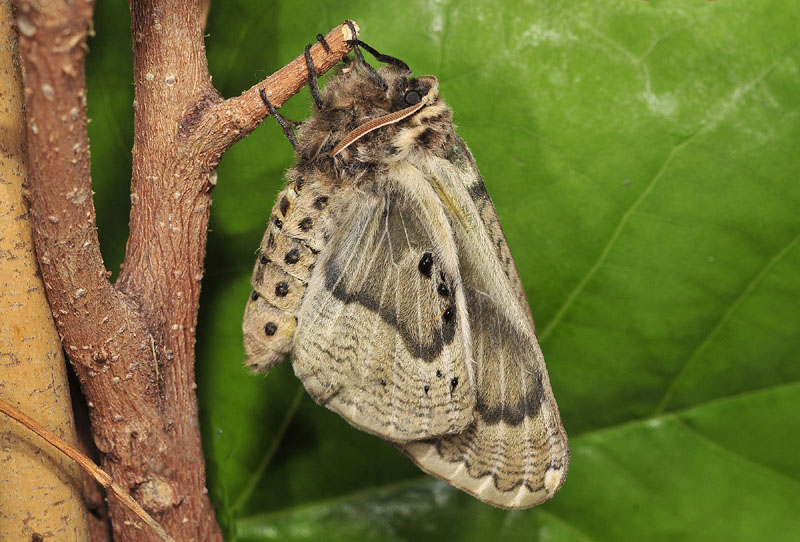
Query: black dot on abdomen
{"type": "Point", "coordinates": [321, 202]}
{"type": "Point", "coordinates": [293, 256]}
{"type": "Point", "coordinates": [281, 289]}
{"type": "Point", "coordinates": [454, 382]}
{"type": "Point", "coordinates": [425, 264]}
{"type": "Point", "coordinates": [306, 223]}
{"type": "Point", "coordinates": [270, 329]}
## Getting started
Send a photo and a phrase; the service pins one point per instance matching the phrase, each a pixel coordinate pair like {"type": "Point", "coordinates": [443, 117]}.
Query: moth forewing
{"type": "Point", "coordinates": [386, 274]}
{"type": "Point", "coordinates": [376, 342]}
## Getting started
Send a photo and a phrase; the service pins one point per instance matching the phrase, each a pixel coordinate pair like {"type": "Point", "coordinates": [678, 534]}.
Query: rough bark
{"type": "Point", "coordinates": [132, 343]}
{"type": "Point", "coordinates": [31, 361]}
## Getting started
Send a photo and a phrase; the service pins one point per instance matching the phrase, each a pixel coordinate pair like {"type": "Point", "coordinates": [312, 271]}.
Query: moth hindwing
{"type": "Point", "coordinates": [386, 276]}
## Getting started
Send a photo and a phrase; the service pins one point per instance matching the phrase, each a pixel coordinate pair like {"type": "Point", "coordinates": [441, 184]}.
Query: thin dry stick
{"type": "Point", "coordinates": [102, 477]}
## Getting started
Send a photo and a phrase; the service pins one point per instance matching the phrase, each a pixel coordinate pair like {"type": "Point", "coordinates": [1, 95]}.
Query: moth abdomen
{"type": "Point", "coordinates": [268, 333]}
{"type": "Point", "coordinates": [289, 249]}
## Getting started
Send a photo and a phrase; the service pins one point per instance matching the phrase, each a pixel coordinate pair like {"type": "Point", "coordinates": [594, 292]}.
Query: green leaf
{"type": "Point", "coordinates": [643, 160]}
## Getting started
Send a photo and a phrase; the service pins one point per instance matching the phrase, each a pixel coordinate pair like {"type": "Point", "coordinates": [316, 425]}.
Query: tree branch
{"type": "Point", "coordinates": [224, 123]}
{"type": "Point", "coordinates": [132, 344]}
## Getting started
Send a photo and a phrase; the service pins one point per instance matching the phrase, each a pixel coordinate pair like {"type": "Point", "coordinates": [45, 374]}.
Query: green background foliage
{"type": "Point", "coordinates": [643, 158]}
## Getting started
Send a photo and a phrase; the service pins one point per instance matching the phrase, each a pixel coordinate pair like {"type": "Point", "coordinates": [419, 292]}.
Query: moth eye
{"type": "Point", "coordinates": [270, 329]}
{"type": "Point", "coordinates": [412, 97]}
{"type": "Point", "coordinates": [281, 289]}
{"type": "Point", "coordinates": [263, 259]}
{"type": "Point", "coordinates": [293, 256]}
{"type": "Point", "coordinates": [306, 223]}
{"type": "Point", "coordinates": [448, 314]}
{"type": "Point", "coordinates": [454, 382]}
{"type": "Point", "coordinates": [443, 291]}
{"type": "Point", "coordinates": [425, 264]}
{"type": "Point", "coordinates": [254, 295]}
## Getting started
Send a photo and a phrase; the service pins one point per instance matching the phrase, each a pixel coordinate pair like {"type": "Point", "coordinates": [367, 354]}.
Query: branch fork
{"type": "Point", "coordinates": [132, 342]}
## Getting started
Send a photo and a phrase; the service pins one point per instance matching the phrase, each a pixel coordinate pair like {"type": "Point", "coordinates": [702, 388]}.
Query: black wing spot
{"type": "Point", "coordinates": [448, 315]}
{"type": "Point", "coordinates": [263, 259]}
{"type": "Point", "coordinates": [270, 329]}
{"type": "Point", "coordinates": [271, 241]}
{"type": "Point", "coordinates": [284, 205]}
{"type": "Point", "coordinates": [254, 295]}
{"type": "Point", "coordinates": [454, 383]}
{"type": "Point", "coordinates": [281, 289]}
{"type": "Point", "coordinates": [383, 383]}
{"type": "Point", "coordinates": [425, 264]}
{"type": "Point", "coordinates": [306, 223]}
{"type": "Point", "coordinates": [278, 222]}
{"type": "Point", "coordinates": [298, 184]}
{"type": "Point", "coordinates": [443, 291]}
{"type": "Point", "coordinates": [427, 389]}
{"type": "Point", "coordinates": [438, 373]}
{"type": "Point", "coordinates": [441, 276]}
{"type": "Point", "coordinates": [291, 257]}
{"type": "Point", "coordinates": [321, 202]}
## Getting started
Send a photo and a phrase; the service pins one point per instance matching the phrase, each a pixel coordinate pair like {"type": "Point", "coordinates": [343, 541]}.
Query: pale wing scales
{"type": "Point", "coordinates": [382, 334]}
{"type": "Point", "coordinates": [515, 454]}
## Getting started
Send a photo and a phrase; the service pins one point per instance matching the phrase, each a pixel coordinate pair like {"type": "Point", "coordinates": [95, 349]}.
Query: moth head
{"type": "Point", "coordinates": [402, 98]}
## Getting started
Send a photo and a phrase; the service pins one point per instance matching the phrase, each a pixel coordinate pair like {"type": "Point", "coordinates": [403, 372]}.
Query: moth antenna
{"type": "Point", "coordinates": [371, 73]}
{"type": "Point", "coordinates": [283, 121]}
{"type": "Point", "coordinates": [324, 43]}
{"type": "Point", "coordinates": [101, 476]}
{"type": "Point", "coordinates": [313, 86]}
{"type": "Point", "coordinates": [380, 57]}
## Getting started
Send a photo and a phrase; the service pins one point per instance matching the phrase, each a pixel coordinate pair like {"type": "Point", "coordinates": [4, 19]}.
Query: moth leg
{"type": "Point", "coordinates": [313, 86]}
{"type": "Point", "coordinates": [288, 130]}
{"type": "Point", "coordinates": [324, 43]}
{"type": "Point", "coordinates": [371, 73]}
{"type": "Point", "coordinates": [380, 57]}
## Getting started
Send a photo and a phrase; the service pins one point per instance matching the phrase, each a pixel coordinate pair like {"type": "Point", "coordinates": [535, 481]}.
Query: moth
{"type": "Point", "coordinates": [385, 274]}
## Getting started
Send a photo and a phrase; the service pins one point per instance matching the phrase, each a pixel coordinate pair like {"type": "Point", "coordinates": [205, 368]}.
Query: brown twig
{"type": "Point", "coordinates": [226, 122]}
{"type": "Point", "coordinates": [132, 343]}
{"type": "Point", "coordinates": [102, 477]}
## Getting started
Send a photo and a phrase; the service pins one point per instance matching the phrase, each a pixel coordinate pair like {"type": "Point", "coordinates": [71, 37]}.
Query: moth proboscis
{"type": "Point", "coordinates": [385, 273]}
